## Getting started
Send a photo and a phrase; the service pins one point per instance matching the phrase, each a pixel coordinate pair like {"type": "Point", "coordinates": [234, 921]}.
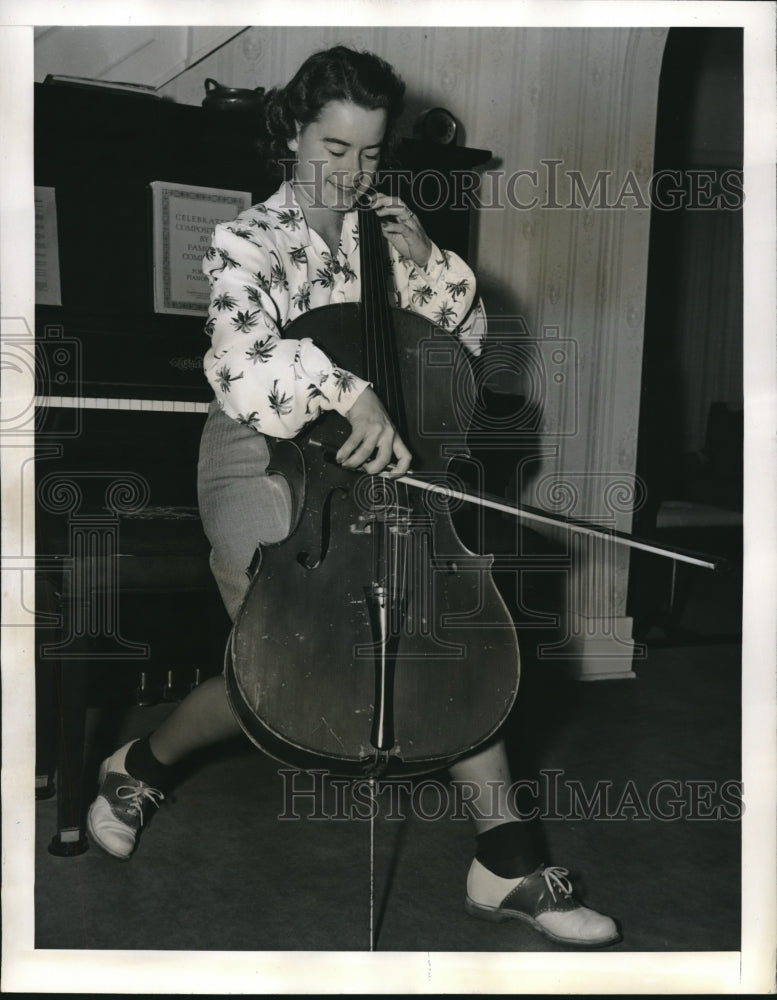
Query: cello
{"type": "Point", "coordinates": [406, 656]}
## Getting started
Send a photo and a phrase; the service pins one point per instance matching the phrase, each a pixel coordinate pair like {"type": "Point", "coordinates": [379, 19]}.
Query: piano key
{"type": "Point", "coordinates": [103, 403]}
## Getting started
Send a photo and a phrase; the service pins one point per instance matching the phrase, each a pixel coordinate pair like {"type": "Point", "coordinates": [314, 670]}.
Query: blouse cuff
{"type": "Point", "coordinates": [341, 402]}
{"type": "Point", "coordinates": [435, 266]}
{"type": "Point", "coordinates": [331, 387]}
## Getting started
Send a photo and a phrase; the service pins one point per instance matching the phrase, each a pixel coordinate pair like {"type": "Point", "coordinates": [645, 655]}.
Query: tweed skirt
{"type": "Point", "coordinates": [241, 506]}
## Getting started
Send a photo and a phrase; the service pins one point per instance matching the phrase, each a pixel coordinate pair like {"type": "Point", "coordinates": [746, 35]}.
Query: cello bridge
{"type": "Point", "coordinates": [396, 520]}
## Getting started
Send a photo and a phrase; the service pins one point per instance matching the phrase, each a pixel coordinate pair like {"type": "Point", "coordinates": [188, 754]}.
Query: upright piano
{"type": "Point", "coordinates": [126, 608]}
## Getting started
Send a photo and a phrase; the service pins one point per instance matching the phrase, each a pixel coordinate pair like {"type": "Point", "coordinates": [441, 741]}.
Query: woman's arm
{"type": "Point", "coordinates": [435, 283]}
{"type": "Point", "coordinates": [261, 379]}
{"type": "Point", "coordinates": [444, 292]}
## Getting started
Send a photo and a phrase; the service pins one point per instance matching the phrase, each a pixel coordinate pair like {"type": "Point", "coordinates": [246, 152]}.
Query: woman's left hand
{"type": "Point", "coordinates": [402, 228]}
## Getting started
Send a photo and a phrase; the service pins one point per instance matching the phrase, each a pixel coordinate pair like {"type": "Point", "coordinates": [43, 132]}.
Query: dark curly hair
{"type": "Point", "coordinates": [336, 74]}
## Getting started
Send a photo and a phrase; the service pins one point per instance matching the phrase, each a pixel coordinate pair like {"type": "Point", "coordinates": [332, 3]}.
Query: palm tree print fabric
{"type": "Point", "coordinates": [265, 269]}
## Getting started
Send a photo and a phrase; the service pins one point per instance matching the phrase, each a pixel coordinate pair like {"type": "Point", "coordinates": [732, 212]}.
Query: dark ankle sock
{"type": "Point", "coordinates": [506, 850]}
{"type": "Point", "coordinates": [143, 765]}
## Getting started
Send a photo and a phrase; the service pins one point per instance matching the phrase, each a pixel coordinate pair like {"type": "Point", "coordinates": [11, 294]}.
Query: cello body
{"type": "Point", "coordinates": [371, 640]}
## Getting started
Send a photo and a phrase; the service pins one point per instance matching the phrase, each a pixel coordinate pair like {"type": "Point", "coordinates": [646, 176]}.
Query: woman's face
{"type": "Point", "coordinates": [337, 155]}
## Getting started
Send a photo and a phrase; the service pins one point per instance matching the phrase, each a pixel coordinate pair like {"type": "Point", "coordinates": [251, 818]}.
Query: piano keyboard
{"type": "Point", "coordinates": [105, 403]}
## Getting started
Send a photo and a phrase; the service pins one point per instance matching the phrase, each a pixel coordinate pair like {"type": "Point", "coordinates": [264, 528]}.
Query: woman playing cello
{"type": "Point", "coordinates": [294, 253]}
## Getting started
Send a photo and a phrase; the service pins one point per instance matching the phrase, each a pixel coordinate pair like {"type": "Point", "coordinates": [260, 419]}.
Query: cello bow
{"type": "Point", "coordinates": [536, 514]}
{"type": "Point", "coordinates": [525, 512]}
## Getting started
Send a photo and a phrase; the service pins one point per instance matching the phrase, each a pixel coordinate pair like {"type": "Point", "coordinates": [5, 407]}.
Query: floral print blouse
{"type": "Point", "coordinates": [265, 269]}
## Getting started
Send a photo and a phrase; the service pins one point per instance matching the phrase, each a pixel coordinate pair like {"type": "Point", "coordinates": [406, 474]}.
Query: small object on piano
{"type": "Point", "coordinates": [220, 98]}
{"type": "Point", "coordinates": [436, 125]}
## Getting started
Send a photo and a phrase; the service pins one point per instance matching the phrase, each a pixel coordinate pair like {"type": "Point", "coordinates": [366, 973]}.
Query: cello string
{"type": "Point", "coordinates": [374, 339]}
{"type": "Point", "coordinates": [372, 865]}
{"type": "Point", "coordinates": [382, 368]}
{"type": "Point", "coordinates": [383, 357]}
{"type": "Point", "coordinates": [386, 350]}
{"type": "Point", "coordinates": [368, 297]}
{"type": "Point", "coordinates": [372, 368]}
{"type": "Point", "coordinates": [382, 263]}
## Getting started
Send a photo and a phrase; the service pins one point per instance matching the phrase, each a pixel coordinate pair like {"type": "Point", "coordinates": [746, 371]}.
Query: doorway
{"type": "Point", "coordinates": [690, 441]}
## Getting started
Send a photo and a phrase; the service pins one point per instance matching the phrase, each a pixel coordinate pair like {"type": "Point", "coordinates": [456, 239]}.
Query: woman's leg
{"type": "Point", "coordinates": [504, 844]}
{"type": "Point", "coordinates": [506, 879]}
{"type": "Point", "coordinates": [487, 776]}
{"type": "Point", "coordinates": [241, 507]}
{"type": "Point", "coordinates": [202, 718]}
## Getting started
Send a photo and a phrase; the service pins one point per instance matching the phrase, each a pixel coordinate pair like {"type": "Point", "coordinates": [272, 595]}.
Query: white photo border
{"type": "Point", "coordinates": [749, 971]}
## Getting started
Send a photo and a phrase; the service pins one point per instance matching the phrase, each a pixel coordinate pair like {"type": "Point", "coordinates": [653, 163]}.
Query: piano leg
{"type": "Point", "coordinates": [60, 722]}
{"type": "Point", "coordinates": [70, 688]}
{"type": "Point", "coordinates": [45, 744]}
{"type": "Point", "coordinates": [60, 713]}
{"type": "Point", "coordinates": [45, 704]}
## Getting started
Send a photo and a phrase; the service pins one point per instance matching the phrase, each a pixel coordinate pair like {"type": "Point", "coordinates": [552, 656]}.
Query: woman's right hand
{"type": "Point", "coordinates": [373, 441]}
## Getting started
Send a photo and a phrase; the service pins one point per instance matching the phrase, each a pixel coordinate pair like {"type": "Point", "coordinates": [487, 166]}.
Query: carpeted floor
{"type": "Point", "coordinates": [227, 866]}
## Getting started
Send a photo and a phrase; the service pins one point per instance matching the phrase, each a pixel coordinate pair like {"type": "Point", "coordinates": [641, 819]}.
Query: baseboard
{"type": "Point", "coordinates": [595, 649]}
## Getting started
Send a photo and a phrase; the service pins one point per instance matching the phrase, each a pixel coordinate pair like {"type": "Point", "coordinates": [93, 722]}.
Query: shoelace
{"type": "Point", "coordinates": [556, 878]}
{"type": "Point", "coordinates": [137, 794]}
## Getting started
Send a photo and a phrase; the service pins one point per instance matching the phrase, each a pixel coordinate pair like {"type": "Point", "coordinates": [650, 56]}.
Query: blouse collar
{"type": "Point", "coordinates": [285, 201]}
